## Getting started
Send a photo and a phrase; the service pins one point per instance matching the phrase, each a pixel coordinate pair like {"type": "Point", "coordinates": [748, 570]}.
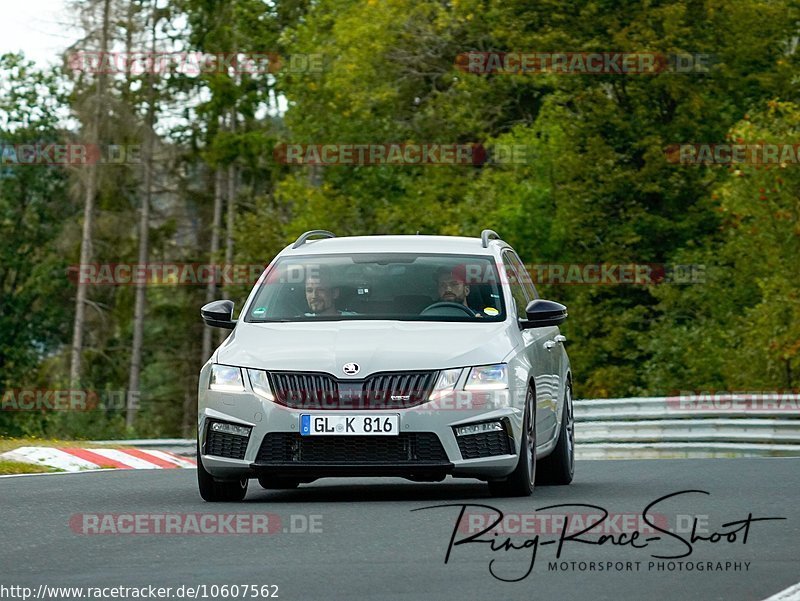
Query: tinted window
{"type": "Point", "coordinates": [514, 281]}
{"type": "Point", "coordinates": [380, 286]}
{"type": "Point", "coordinates": [525, 278]}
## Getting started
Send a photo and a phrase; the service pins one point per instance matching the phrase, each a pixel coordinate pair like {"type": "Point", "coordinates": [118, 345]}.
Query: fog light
{"type": "Point", "coordinates": [230, 429]}
{"type": "Point", "coordinates": [479, 428]}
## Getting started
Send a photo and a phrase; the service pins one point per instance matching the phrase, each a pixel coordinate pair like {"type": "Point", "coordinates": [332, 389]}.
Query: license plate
{"type": "Point", "coordinates": [352, 425]}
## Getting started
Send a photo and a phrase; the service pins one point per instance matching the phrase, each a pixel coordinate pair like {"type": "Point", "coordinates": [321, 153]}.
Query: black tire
{"type": "Point", "coordinates": [559, 466]}
{"type": "Point", "coordinates": [278, 483]}
{"type": "Point", "coordinates": [521, 481]}
{"type": "Point", "coordinates": [218, 491]}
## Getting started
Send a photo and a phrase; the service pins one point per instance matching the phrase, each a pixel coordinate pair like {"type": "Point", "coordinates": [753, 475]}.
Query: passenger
{"type": "Point", "coordinates": [321, 294]}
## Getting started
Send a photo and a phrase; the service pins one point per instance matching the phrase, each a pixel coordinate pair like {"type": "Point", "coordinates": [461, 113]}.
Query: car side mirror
{"type": "Point", "coordinates": [219, 314]}
{"type": "Point", "coordinates": [542, 313]}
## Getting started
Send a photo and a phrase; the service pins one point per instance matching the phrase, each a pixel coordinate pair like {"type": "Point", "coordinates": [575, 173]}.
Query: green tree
{"type": "Point", "coordinates": [740, 329]}
{"type": "Point", "coordinates": [34, 206]}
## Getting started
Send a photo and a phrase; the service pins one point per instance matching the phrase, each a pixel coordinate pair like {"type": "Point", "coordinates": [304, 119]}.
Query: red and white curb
{"type": "Point", "coordinates": [75, 459]}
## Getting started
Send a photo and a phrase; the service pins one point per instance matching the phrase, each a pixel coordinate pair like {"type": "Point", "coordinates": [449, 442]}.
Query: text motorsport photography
{"type": "Point", "coordinates": [666, 542]}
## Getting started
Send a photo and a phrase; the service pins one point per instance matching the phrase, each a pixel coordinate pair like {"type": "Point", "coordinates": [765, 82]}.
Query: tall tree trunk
{"type": "Point", "coordinates": [190, 397]}
{"type": "Point", "coordinates": [211, 288]}
{"type": "Point", "coordinates": [134, 393]}
{"type": "Point", "coordinates": [93, 137]}
{"type": "Point", "coordinates": [230, 220]}
{"type": "Point", "coordinates": [231, 216]}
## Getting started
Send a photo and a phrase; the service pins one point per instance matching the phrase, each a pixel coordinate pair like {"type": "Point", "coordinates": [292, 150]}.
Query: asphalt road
{"type": "Point", "coordinates": [359, 539]}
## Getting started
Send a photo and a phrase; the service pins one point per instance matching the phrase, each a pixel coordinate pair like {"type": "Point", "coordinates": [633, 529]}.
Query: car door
{"type": "Point", "coordinates": [537, 348]}
{"type": "Point", "coordinates": [555, 346]}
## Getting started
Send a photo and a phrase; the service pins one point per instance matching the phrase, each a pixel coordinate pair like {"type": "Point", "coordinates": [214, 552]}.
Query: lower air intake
{"type": "Point", "coordinates": [222, 444]}
{"type": "Point", "coordinates": [484, 444]}
{"type": "Point", "coordinates": [408, 449]}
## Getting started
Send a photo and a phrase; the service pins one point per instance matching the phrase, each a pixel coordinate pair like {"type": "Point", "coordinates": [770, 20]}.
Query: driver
{"type": "Point", "coordinates": [452, 286]}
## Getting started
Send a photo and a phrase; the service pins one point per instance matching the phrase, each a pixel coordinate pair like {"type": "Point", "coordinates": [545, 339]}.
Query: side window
{"type": "Point", "coordinates": [517, 290]}
{"type": "Point", "coordinates": [526, 280]}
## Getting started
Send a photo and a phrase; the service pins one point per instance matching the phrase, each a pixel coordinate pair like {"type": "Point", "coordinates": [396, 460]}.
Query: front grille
{"type": "Point", "coordinates": [303, 390]}
{"type": "Point", "coordinates": [398, 390]}
{"type": "Point", "coordinates": [408, 389]}
{"type": "Point", "coordinates": [485, 444]}
{"type": "Point", "coordinates": [409, 448]}
{"type": "Point", "coordinates": [223, 444]}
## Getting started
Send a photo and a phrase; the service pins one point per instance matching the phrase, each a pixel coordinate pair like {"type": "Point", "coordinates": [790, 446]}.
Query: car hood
{"type": "Point", "coordinates": [375, 346]}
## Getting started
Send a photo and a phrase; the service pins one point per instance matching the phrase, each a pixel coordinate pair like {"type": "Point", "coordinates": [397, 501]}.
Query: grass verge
{"type": "Point", "coordinates": [19, 467]}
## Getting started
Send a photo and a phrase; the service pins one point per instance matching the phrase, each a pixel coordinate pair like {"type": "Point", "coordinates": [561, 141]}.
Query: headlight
{"type": "Point", "coordinates": [488, 377]}
{"type": "Point", "coordinates": [225, 378]}
{"type": "Point", "coordinates": [260, 383]}
{"type": "Point", "coordinates": [446, 382]}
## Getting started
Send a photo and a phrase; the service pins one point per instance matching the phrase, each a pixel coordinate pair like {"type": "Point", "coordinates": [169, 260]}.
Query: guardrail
{"type": "Point", "coordinates": [734, 425]}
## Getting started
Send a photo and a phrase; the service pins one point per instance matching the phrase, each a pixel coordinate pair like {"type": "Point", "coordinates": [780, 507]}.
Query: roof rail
{"type": "Point", "coordinates": [486, 235]}
{"type": "Point", "coordinates": [304, 238]}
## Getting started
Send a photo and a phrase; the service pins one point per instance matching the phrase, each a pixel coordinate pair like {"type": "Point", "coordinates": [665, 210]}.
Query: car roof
{"type": "Point", "coordinates": [393, 244]}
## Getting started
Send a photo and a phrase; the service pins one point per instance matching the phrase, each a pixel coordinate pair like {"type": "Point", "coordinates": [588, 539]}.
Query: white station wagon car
{"type": "Point", "coordinates": [410, 356]}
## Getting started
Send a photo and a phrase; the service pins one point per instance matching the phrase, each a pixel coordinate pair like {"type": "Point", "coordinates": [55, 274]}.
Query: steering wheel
{"type": "Point", "coordinates": [448, 304]}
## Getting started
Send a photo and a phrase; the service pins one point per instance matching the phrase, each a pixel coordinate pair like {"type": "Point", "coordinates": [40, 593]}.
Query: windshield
{"type": "Point", "coordinates": [411, 287]}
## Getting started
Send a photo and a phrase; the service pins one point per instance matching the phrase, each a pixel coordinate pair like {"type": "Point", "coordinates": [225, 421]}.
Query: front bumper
{"type": "Point", "coordinates": [426, 447]}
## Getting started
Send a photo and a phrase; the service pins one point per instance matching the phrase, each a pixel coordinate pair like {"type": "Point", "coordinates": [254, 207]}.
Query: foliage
{"type": "Point", "coordinates": [596, 186]}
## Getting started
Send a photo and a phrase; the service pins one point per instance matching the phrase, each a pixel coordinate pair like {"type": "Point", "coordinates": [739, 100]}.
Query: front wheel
{"type": "Point", "coordinates": [520, 482]}
{"type": "Point", "coordinates": [215, 491]}
{"type": "Point", "coordinates": [559, 466]}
